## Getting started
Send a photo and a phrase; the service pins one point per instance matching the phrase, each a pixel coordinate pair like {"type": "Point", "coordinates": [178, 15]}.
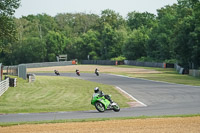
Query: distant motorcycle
{"type": "Point", "coordinates": [96, 72]}
{"type": "Point", "coordinates": [56, 72]}
{"type": "Point", "coordinates": [77, 72]}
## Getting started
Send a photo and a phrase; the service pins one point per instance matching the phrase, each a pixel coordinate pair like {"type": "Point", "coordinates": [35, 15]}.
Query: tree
{"type": "Point", "coordinates": [112, 18]}
{"type": "Point", "coordinates": [136, 20]}
{"type": "Point", "coordinates": [119, 40]}
{"type": "Point", "coordinates": [135, 46]}
{"type": "Point", "coordinates": [173, 34]}
{"type": "Point", "coordinates": [7, 29]}
{"type": "Point", "coordinates": [91, 45]}
{"type": "Point", "coordinates": [55, 43]}
{"type": "Point", "coordinates": [84, 45]}
{"type": "Point", "coordinates": [32, 49]}
{"type": "Point", "coordinates": [108, 41]}
{"type": "Point", "coordinates": [195, 36]}
{"type": "Point", "coordinates": [7, 9]}
{"type": "Point", "coordinates": [188, 34]}
{"type": "Point", "coordinates": [75, 24]}
{"type": "Point", "coordinates": [160, 45]}
{"type": "Point", "coordinates": [65, 23]}
{"type": "Point", "coordinates": [36, 26]}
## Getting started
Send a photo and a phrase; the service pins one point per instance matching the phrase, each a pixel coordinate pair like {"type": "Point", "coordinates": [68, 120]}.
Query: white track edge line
{"type": "Point", "coordinates": [130, 96]}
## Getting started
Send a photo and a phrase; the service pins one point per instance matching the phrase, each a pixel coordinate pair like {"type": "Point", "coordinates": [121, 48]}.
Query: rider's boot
{"type": "Point", "coordinates": [111, 102]}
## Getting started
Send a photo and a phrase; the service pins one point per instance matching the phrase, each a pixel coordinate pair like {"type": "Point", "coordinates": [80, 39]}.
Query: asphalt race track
{"type": "Point", "coordinates": [161, 99]}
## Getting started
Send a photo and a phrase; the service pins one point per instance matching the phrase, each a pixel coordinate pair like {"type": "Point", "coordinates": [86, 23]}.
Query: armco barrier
{"type": "Point", "coordinates": [11, 70]}
{"type": "Point", "coordinates": [98, 62]}
{"type": "Point", "coordinates": [145, 64]}
{"type": "Point", "coordinates": [194, 73]}
{"type": "Point", "coordinates": [48, 64]}
{"type": "Point", "coordinates": [126, 62]}
{"type": "Point", "coordinates": [20, 70]}
{"type": "Point", "coordinates": [179, 69]}
{"type": "Point", "coordinates": [1, 71]}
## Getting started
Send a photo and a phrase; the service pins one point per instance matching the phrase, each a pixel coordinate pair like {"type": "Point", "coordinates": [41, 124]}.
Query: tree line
{"type": "Point", "coordinates": [173, 35]}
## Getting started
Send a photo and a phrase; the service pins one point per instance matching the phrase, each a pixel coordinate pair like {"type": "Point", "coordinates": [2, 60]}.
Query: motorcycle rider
{"type": "Point", "coordinates": [96, 72]}
{"type": "Point", "coordinates": [56, 72]}
{"type": "Point", "coordinates": [100, 93]}
{"type": "Point", "coordinates": [77, 72]}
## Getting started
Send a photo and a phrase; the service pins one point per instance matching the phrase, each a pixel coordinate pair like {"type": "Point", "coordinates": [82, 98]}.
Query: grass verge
{"type": "Point", "coordinates": [54, 93]}
{"type": "Point", "coordinates": [166, 75]}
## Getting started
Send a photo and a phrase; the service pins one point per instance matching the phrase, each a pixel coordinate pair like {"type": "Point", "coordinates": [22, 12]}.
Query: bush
{"type": "Point", "coordinates": [171, 61]}
{"type": "Point", "coordinates": [119, 58]}
{"type": "Point", "coordinates": [146, 59]}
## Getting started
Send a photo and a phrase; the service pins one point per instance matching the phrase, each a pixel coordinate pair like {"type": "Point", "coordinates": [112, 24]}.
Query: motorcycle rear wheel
{"type": "Point", "coordinates": [97, 73]}
{"type": "Point", "coordinates": [99, 106]}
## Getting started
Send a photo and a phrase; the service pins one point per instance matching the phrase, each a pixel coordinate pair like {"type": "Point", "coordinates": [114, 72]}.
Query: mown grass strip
{"type": "Point", "coordinates": [54, 94]}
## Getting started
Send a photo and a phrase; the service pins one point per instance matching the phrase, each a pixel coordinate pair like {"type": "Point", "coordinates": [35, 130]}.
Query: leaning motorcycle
{"type": "Point", "coordinates": [102, 104]}
{"type": "Point", "coordinates": [78, 73]}
{"type": "Point", "coordinates": [97, 73]}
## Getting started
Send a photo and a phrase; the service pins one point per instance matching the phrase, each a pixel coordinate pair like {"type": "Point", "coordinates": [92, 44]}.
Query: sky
{"type": "Point", "coordinates": [123, 7]}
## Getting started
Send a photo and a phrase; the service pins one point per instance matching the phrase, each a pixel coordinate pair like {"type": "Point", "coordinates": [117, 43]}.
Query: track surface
{"type": "Point", "coordinates": [161, 99]}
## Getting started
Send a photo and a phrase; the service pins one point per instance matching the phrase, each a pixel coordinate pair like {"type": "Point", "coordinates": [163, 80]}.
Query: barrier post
{"type": "Point", "coordinates": [1, 70]}
{"type": "Point", "coordinates": [116, 63]}
{"type": "Point", "coordinates": [22, 71]}
{"type": "Point", "coordinates": [73, 62]}
{"type": "Point", "coordinates": [165, 65]}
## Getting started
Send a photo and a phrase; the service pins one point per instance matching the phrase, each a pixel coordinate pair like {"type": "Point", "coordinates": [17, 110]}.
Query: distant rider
{"type": "Point", "coordinates": [77, 71]}
{"type": "Point", "coordinates": [100, 93]}
{"type": "Point", "coordinates": [96, 70]}
{"type": "Point", "coordinates": [56, 72]}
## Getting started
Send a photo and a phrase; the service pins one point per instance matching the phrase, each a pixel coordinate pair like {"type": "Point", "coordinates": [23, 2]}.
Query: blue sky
{"type": "Point", "coordinates": [123, 7]}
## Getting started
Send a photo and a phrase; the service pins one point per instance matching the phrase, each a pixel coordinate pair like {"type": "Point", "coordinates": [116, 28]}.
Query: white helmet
{"type": "Point", "coordinates": [96, 89]}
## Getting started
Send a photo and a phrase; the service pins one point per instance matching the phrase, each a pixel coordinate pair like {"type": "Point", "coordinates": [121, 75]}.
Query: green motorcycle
{"type": "Point", "coordinates": [102, 104]}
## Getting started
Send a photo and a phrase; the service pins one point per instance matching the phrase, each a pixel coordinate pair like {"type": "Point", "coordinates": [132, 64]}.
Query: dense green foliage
{"type": "Point", "coordinates": [7, 9]}
{"type": "Point", "coordinates": [172, 34]}
{"type": "Point", "coordinates": [7, 28]}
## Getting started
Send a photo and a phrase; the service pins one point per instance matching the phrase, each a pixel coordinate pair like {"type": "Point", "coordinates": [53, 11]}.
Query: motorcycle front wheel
{"type": "Point", "coordinates": [116, 108]}
{"type": "Point", "coordinates": [99, 106]}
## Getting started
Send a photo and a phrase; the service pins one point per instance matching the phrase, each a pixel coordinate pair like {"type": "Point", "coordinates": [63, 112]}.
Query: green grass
{"type": "Point", "coordinates": [166, 75]}
{"type": "Point", "coordinates": [52, 94]}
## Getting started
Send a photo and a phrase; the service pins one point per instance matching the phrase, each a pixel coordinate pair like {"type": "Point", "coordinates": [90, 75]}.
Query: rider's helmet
{"type": "Point", "coordinates": [96, 89]}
